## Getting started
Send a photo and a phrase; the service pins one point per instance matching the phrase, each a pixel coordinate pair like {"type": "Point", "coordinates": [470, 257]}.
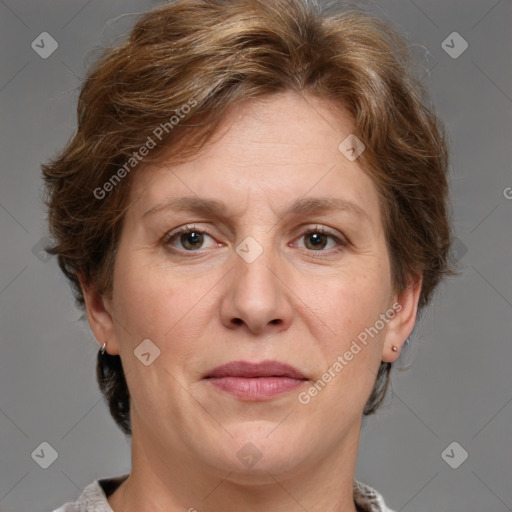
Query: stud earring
{"type": "Point", "coordinates": [103, 348]}
{"type": "Point", "coordinates": [394, 348]}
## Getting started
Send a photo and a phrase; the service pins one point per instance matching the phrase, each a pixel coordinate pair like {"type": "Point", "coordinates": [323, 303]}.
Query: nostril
{"type": "Point", "coordinates": [237, 321]}
{"type": "Point", "coordinates": [275, 321]}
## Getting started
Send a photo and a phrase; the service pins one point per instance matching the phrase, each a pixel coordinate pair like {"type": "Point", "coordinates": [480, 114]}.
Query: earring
{"type": "Point", "coordinates": [103, 348]}
{"type": "Point", "coordinates": [394, 348]}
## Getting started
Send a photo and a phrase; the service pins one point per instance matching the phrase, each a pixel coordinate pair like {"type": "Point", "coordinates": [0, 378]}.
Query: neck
{"type": "Point", "coordinates": [180, 483]}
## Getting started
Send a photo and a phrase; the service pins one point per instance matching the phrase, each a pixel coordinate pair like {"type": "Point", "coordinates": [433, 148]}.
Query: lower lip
{"type": "Point", "coordinates": [255, 388]}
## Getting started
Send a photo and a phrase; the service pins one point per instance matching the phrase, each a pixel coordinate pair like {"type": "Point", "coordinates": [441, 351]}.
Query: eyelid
{"type": "Point", "coordinates": [313, 228]}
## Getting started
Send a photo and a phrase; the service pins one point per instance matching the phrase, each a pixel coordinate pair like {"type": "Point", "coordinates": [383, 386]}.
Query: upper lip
{"type": "Point", "coordinates": [249, 369]}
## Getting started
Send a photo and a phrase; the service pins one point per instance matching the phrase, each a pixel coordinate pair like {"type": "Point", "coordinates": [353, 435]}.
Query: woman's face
{"type": "Point", "coordinates": [269, 246]}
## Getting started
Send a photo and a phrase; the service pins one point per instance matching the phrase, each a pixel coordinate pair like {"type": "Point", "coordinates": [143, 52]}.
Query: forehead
{"type": "Point", "coordinates": [275, 150]}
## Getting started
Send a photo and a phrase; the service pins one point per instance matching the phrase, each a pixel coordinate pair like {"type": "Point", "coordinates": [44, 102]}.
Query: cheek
{"type": "Point", "coordinates": [351, 352]}
{"type": "Point", "coordinates": [350, 337]}
{"type": "Point", "coordinates": [153, 300]}
{"type": "Point", "coordinates": [348, 302]}
{"type": "Point", "coordinates": [139, 305]}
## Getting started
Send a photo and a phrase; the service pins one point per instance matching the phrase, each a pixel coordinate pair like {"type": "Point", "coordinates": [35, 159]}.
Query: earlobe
{"type": "Point", "coordinates": [99, 316]}
{"type": "Point", "coordinates": [401, 325]}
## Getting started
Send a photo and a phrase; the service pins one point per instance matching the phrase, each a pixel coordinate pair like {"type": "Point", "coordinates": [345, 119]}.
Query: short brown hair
{"type": "Point", "coordinates": [211, 55]}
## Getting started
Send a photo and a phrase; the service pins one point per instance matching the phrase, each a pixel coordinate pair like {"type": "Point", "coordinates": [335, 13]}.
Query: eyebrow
{"type": "Point", "coordinates": [301, 206]}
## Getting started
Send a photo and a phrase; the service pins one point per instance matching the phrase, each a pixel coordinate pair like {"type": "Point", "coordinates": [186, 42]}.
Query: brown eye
{"type": "Point", "coordinates": [188, 239]}
{"type": "Point", "coordinates": [321, 240]}
{"type": "Point", "coordinates": [192, 240]}
{"type": "Point", "coordinates": [315, 241]}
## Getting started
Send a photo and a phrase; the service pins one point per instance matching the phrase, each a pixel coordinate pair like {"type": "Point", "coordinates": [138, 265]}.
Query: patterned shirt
{"type": "Point", "coordinates": [94, 497]}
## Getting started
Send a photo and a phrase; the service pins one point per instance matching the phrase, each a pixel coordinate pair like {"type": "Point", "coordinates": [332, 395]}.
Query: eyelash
{"type": "Point", "coordinates": [342, 243]}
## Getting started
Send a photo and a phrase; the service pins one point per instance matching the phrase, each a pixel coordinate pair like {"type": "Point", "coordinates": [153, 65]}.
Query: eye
{"type": "Point", "coordinates": [319, 239]}
{"type": "Point", "coordinates": [192, 239]}
{"type": "Point", "coordinates": [188, 238]}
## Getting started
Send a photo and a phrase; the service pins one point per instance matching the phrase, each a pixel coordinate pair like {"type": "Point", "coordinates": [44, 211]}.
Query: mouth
{"type": "Point", "coordinates": [255, 381]}
{"type": "Point", "coordinates": [254, 370]}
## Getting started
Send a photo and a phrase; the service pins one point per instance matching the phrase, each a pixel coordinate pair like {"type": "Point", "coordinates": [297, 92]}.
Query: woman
{"type": "Point", "coordinates": [252, 213]}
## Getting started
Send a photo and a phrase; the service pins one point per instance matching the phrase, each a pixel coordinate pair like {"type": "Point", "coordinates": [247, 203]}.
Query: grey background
{"type": "Point", "coordinates": [459, 385]}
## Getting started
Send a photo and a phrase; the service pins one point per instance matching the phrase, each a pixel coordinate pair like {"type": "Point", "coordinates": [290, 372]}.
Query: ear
{"type": "Point", "coordinates": [401, 325]}
{"type": "Point", "coordinates": [99, 315]}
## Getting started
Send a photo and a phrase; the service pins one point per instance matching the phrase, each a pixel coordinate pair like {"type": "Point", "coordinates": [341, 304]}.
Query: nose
{"type": "Point", "coordinates": [257, 298]}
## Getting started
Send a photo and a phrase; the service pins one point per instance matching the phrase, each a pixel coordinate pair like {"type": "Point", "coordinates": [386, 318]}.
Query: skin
{"type": "Point", "coordinates": [295, 303]}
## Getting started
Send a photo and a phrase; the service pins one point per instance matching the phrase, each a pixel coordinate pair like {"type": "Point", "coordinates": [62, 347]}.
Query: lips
{"type": "Point", "coordinates": [255, 381]}
{"type": "Point", "coordinates": [250, 370]}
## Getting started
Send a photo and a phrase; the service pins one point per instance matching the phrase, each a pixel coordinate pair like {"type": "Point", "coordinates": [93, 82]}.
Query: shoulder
{"type": "Point", "coordinates": [368, 498]}
{"type": "Point", "coordinates": [92, 499]}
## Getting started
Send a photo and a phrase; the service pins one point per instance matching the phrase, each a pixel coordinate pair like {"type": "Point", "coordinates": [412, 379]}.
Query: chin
{"type": "Point", "coordinates": [265, 448]}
